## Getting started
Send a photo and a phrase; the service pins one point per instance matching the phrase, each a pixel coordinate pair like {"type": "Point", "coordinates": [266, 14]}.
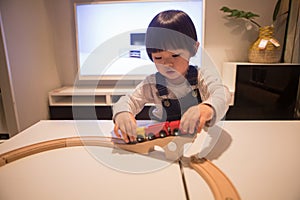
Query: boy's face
{"type": "Point", "coordinates": [172, 64]}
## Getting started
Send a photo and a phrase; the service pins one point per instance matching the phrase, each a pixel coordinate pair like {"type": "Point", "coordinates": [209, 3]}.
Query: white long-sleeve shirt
{"type": "Point", "coordinates": [212, 92]}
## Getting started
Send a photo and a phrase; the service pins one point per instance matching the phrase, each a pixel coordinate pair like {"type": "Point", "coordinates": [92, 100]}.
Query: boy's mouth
{"type": "Point", "coordinates": [170, 72]}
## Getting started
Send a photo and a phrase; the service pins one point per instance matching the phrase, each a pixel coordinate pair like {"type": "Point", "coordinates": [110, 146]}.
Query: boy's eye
{"type": "Point", "coordinates": [175, 55]}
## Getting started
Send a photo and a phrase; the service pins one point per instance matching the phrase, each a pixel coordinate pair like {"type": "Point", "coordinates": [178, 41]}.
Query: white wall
{"type": "Point", "coordinates": [31, 60]}
{"type": "Point", "coordinates": [40, 40]}
{"type": "Point", "coordinates": [225, 40]}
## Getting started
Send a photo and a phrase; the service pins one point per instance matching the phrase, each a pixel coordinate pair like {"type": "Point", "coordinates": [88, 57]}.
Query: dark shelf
{"type": "Point", "coordinates": [266, 92]}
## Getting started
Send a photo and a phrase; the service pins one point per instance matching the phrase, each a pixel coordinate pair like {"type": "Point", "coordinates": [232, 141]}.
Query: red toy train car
{"type": "Point", "coordinates": [159, 130]}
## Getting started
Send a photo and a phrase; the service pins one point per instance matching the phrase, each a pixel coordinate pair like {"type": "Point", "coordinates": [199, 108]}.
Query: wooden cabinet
{"type": "Point", "coordinates": [259, 92]}
{"type": "Point", "coordinates": [87, 103]}
{"type": "Point", "coordinates": [263, 91]}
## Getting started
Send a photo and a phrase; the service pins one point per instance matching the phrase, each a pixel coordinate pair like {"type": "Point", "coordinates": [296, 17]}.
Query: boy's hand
{"type": "Point", "coordinates": [125, 122]}
{"type": "Point", "coordinates": [195, 118]}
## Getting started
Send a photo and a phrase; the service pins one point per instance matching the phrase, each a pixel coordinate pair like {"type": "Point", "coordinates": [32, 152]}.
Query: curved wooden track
{"type": "Point", "coordinates": [221, 186]}
{"type": "Point", "coordinates": [215, 178]}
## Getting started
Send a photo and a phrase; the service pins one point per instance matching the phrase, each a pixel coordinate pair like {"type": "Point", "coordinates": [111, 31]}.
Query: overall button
{"type": "Point", "coordinates": [194, 93]}
{"type": "Point", "coordinates": [166, 103]}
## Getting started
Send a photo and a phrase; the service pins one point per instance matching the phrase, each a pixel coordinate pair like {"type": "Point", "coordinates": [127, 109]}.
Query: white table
{"type": "Point", "coordinates": [84, 172]}
{"type": "Point", "coordinates": [259, 157]}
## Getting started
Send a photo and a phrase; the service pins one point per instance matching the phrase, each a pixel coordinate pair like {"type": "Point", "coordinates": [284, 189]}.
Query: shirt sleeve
{"type": "Point", "coordinates": [213, 92]}
{"type": "Point", "coordinates": [134, 102]}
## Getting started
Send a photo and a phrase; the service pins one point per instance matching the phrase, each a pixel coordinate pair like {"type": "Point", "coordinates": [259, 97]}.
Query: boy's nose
{"type": "Point", "coordinates": [168, 62]}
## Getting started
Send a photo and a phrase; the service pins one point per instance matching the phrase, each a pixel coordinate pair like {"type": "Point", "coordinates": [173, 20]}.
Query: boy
{"type": "Point", "coordinates": [179, 91]}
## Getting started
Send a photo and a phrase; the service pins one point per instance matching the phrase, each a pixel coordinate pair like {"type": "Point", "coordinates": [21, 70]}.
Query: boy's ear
{"type": "Point", "coordinates": [196, 46]}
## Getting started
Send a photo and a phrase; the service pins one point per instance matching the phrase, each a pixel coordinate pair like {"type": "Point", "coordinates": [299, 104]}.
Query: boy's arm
{"type": "Point", "coordinates": [135, 101]}
{"type": "Point", "coordinates": [214, 93]}
{"type": "Point", "coordinates": [124, 112]}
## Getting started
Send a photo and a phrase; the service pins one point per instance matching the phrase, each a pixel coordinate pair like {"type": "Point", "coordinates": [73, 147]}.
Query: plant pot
{"type": "Point", "coordinates": [266, 49]}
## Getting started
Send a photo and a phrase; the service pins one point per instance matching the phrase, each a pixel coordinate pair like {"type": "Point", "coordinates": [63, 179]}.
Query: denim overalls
{"type": "Point", "coordinates": [174, 108]}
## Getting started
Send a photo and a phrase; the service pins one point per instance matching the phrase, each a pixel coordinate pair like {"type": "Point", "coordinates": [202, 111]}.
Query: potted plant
{"type": "Point", "coordinates": [266, 49]}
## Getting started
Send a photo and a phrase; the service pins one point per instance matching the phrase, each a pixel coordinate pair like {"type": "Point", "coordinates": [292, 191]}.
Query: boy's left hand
{"type": "Point", "coordinates": [195, 118]}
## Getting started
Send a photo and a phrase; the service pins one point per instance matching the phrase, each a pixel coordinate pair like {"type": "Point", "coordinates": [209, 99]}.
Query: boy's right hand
{"type": "Point", "coordinates": [125, 122]}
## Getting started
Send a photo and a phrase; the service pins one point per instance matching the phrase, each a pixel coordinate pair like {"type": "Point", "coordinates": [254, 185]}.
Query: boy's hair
{"type": "Point", "coordinates": [171, 30]}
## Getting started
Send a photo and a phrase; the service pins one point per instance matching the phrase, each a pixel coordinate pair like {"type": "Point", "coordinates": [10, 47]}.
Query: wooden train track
{"type": "Point", "coordinates": [220, 185]}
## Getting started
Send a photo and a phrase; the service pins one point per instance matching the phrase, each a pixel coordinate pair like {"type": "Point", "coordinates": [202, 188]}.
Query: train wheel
{"type": "Point", "coordinates": [140, 138]}
{"type": "Point", "coordinates": [162, 134]}
{"type": "Point", "coordinates": [176, 132]}
{"type": "Point", "coordinates": [151, 136]}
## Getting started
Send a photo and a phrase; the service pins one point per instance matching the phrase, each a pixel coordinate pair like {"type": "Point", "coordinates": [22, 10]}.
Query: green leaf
{"type": "Point", "coordinates": [251, 15]}
{"type": "Point", "coordinates": [225, 9]}
{"type": "Point", "coordinates": [235, 13]}
{"type": "Point", "coordinates": [240, 14]}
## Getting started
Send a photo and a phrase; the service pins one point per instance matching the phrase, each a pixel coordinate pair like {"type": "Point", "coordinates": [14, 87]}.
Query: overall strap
{"type": "Point", "coordinates": [192, 75]}
{"type": "Point", "coordinates": [174, 108]}
{"type": "Point", "coordinates": [161, 84]}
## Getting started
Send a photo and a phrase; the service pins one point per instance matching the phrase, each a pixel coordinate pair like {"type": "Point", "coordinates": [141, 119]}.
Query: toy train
{"type": "Point", "coordinates": [159, 130]}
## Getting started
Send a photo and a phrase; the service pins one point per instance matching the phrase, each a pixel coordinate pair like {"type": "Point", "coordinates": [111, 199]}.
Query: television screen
{"type": "Point", "coordinates": [110, 36]}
